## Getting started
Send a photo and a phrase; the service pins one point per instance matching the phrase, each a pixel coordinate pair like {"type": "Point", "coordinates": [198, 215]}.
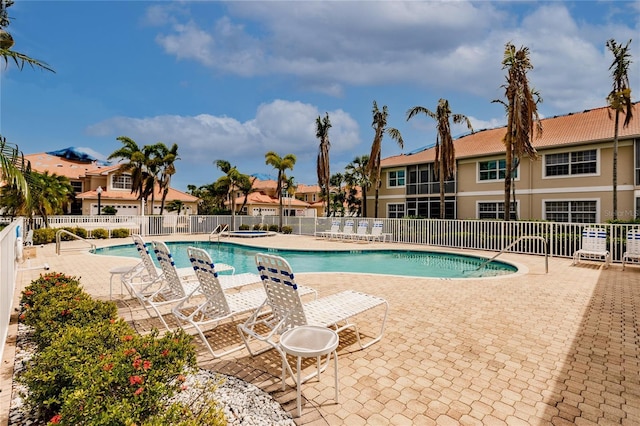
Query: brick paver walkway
{"type": "Point", "coordinates": [532, 348]}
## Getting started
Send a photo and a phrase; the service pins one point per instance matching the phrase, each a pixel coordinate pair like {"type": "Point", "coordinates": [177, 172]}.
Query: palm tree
{"type": "Point", "coordinates": [6, 43]}
{"type": "Point", "coordinates": [619, 100]}
{"type": "Point", "coordinates": [356, 175]}
{"type": "Point", "coordinates": [289, 187]}
{"type": "Point", "coordinates": [281, 164]}
{"type": "Point", "coordinates": [50, 194]}
{"type": "Point", "coordinates": [445, 161]}
{"type": "Point", "coordinates": [230, 181]}
{"type": "Point", "coordinates": [522, 115]}
{"type": "Point", "coordinates": [13, 167]}
{"type": "Point", "coordinates": [379, 124]}
{"type": "Point", "coordinates": [245, 186]}
{"type": "Point", "coordinates": [322, 133]}
{"type": "Point", "coordinates": [338, 197]}
{"type": "Point", "coordinates": [136, 164]}
{"type": "Point", "coordinates": [167, 169]}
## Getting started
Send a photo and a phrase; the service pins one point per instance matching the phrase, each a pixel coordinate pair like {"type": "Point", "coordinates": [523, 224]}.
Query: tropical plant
{"type": "Point", "coordinates": [445, 161]}
{"type": "Point", "coordinates": [289, 187]}
{"type": "Point", "coordinates": [135, 164]}
{"type": "Point", "coordinates": [230, 181]}
{"type": "Point", "coordinates": [7, 42]}
{"type": "Point", "coordinates": [50, 195]}
{"type": "Point", "coordinates": [379, 124]}
{"type": "Point", "coordinates": [175, 206]}
{"type": "Point", "coordinates": [245, 186]}
{"type": "Point", "coordinates": [338, 195]}
{"type": "Point", "coordinates": [522, 115]}
{"type": "Point", "coordinates": [281, 164]}
{"type": "Point", "coordinates": [323, 170]}
{"type": "Point", "coordinates": [619, 100]}
{"type": "Point", "coordinates": [166, 159]}
{"type": "Point", "coordinates": [356, 175]}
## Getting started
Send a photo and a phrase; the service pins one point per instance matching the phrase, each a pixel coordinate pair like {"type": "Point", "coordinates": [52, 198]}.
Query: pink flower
{"type": "Point", "coordinates": [146, 365]}
{"type": "Point", "coordinates": [138, 391]}
{"type": "Point", "coordinates": [135, 380]}
{"type": "Point", "coordinates": [55, 419]}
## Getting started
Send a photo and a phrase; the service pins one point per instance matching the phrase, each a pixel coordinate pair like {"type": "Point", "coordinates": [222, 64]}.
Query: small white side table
{"type": "Point", "coordinates": [309, 341]}
{"type": "Point", "coordinates": [118, 270]}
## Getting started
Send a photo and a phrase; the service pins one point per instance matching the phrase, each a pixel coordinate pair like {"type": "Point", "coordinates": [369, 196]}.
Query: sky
{"type": "Point", "coordinates": [234, 80]}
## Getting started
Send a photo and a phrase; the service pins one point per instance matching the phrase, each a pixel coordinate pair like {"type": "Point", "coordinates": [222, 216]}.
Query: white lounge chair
{"type": "Point", "coordinates": [362, 231]}
{"type": "Point", "coordinates": [335, 228]}
{"type": "Point", "coordinates": [288, 310]}
{"type": "Point", "coordinates": [347, 231]}
{"type": "Point", "coordinates": [169, 289]}
{"type": "Point", "coordinates": [217, 305]}
{"type": "Point", "coordinates": [594, 246]}
{"type": "Point", "coordinates": [632, 252]}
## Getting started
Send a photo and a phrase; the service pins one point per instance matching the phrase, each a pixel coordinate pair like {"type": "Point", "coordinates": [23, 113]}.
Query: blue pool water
{"type": "Point", "coordinates": [391, 262]}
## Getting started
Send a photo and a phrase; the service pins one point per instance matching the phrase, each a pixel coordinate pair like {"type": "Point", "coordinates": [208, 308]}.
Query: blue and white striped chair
{"type": "Point", "coordinates": [632, 252]}
{"type": "Point", "coordinates": [594, 246]}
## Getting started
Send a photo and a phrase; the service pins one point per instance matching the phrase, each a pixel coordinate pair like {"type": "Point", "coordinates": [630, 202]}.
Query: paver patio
{"type": "Point", "coordinates": [531, 348]}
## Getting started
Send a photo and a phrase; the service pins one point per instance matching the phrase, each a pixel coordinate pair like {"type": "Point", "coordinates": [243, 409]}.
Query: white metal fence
{"type": "Point", "coordinates": [562, 238]}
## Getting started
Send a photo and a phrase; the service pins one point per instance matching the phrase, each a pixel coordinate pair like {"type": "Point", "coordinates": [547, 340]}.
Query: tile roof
{"type": "Point", "coordinates": [575, 128]}
{"type": "Point", "coordinates": [262, 198]}
{"type": "Point", "coordinates": [172, 195]}
{"type": "Point", "coordinates": [42, 162]}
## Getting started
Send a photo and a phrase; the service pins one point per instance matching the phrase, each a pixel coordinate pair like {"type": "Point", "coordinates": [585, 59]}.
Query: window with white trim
{"type": "Point", "coordinates": [395, 211]}
{"type": "Point", "coordinates": [495, 210]}
{"type": "Point", "coordinates": [583, 211]}
{"type": "Point", "coordinates": [396, 178]}
{"type": "Point", "coordinates": [494, 170]}
{"type": "Point", "coordinates": [571, 163]}
{"type": "Point", "coordinates": [121, 182]}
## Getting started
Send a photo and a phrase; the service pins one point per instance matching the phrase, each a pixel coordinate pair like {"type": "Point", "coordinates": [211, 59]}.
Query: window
{"type": "Point", "coordinates": [395, 211]}
{"type": "Point", "coordinates": [495, 210]}
{"type": "Point", "coordinates": [77, 186]}
{"type": "Point", "coordinates": [421, 180]}
{"type": "Point", "coordinates": [121, 182]}
{"type": "Point", "coordinates": [494, 170]}
{"type": "Point", "coordinates": [396, 178]}
{"type": "Point", "coordinates": [637, 162]}
{"type": "Point", "coordinates": [571, 163]}
{"type": "Point", "coordinates": [429, 207]}
{"type": "Point", "coordinates": [571, 211]}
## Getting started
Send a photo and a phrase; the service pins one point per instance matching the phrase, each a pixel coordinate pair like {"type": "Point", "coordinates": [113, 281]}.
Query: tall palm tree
{"type": "Point", "coordinates": [167, 169]}
{"type": "Point", "coordinates": [379, 124]}
{"type": "Point", "coordinates": [356, 175]}
{"type": "Point", "coordinates": [230, 181]}
{"type": "Point", "coordinates": [445, 161]}
{"type": "Point", "coordinates": [324, 173]}
{"type": "Point", "coordinates": [245, 186]}
{"type": "Point", "coordinates": [522, 115]}
{"type": "Point", "coordinates": [281, 164]}
{"type": "Point", "coordinates": [619, 100]}
{"type": "Point", "coordinates": [338, 197]}
{"type": "Point", "coordinates": [135, 164]}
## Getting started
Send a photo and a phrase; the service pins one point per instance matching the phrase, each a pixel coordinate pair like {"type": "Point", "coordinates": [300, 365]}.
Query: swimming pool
{"type": "Point", "coordinates": [390, 262]}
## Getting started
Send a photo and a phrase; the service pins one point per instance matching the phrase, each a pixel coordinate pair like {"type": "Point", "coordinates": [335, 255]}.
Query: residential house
{"type": "Point", "coordinates": [263, 201]}
{"type": "Point", "coordinates": [571, 180]}
{"type": "Point", "coordinates": [86, 175]}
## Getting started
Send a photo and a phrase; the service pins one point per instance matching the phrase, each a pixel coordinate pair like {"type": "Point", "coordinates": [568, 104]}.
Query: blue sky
{"type": "Point", "coordinates": [233, 80]}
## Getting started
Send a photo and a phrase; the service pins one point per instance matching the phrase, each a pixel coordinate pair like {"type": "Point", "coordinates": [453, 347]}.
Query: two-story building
{"type": "Point", "coordinates": [98, 185]}
{"type": "Point", "coordinates": [571, 180]}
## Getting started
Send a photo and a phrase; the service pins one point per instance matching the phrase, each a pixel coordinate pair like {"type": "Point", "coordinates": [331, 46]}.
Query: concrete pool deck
{"type": "Point", "coordinates": [531, 348]}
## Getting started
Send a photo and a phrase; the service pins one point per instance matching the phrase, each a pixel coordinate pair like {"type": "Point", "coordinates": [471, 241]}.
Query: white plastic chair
{"type": "Point", "coordinates": [217, 305]}
{"type": "Point", "coordinates": [594, 246]}
{"type": "Point", "coordinates": [362, 231]}
{"type": "Point", "coordinates": [288, 310]}
{"type": "Point", "coordinates": [632, 252]}
{"type": "Point", "coordinates": [335, 228]}
{"type": "Point", "coordinates": [347, 230]}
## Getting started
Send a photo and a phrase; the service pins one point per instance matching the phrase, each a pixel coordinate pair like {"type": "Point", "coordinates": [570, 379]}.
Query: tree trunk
{"type": "Point", "coordinates": [615, 166]}
{"type": "Point", "coordinates": [507, 182]}
{"type": "Point", "coordinates": [441, 192]}
{"type": "Point", "coordinates": [364, 201]}
{"type": "Point", "coordinates": [375, 212]}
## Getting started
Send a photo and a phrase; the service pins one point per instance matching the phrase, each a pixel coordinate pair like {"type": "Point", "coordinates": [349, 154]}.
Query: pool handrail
{"type": "Point", "coordinates": [524, 237]}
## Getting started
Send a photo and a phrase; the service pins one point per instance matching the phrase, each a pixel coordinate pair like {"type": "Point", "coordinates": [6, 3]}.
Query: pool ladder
{"type": "Point", "coordinates": [525, 237]}
{"type": "Point", "coordinates": [218, 231]}
{"type": "Point", "coordinates": [61, 232]}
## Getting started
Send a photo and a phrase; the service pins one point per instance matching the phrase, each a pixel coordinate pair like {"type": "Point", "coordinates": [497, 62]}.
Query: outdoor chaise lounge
{"type": "Point", "coordinates": [632, 252]}
{"type": "Point", "coordinates": [347, 231]}
{"type": "Point", "coordinates": [335, 228]}
{"type": "Point", "coordinates": [594, 246]}
{"type": "Point", "coordinates": [288, 311]}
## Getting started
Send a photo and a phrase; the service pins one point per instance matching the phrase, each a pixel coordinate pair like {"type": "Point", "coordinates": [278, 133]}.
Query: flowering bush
{"type": "Point", "coordinates": [94, 369]}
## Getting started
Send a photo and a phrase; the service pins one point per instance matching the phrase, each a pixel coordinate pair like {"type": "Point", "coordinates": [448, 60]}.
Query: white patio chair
{"type": "Point", "coordinates": [594, 246]}
{"type": "Point", "coordinates": [172, 288]}
{"type": "Point", "coordinates": [362, 231]}
{"type": "Point", "coordinates": [335, 228]}
{"type": "Point", "coordinates": [632, 252]}
{"type": "Point", "coordinates": [347, 231]}
{"type": "Point", "coordinates": [288, 310]}
{"type": "Point", "coordinates": [217, 305]}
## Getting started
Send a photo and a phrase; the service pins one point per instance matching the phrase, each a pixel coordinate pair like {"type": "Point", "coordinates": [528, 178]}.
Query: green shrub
{"type": "Point", "coordinates": [109, 210]}
{"type": "Point", "coordinates": [80, 232]}
{"type": "Point", "coordinates": [287, 229]}
{"type": "Point", "coordinates": [273, 228]}
{"type": "Point", "coordinates": [44, 236]}
{"type": "Point", "coordinates": [65, 236]}
{"type": "Point", "coordinates": [244, 227]}
{"type": "Point", "coordinates": [120, 233]}
{"type": "Point", "coordinates": [43, 284]}
{"type": "Point", "coordinates": [100, 233]}
{"type": "Point", "coordinates": [106, 374]}
{"type": "Point", "coordinates": [64, 306]}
